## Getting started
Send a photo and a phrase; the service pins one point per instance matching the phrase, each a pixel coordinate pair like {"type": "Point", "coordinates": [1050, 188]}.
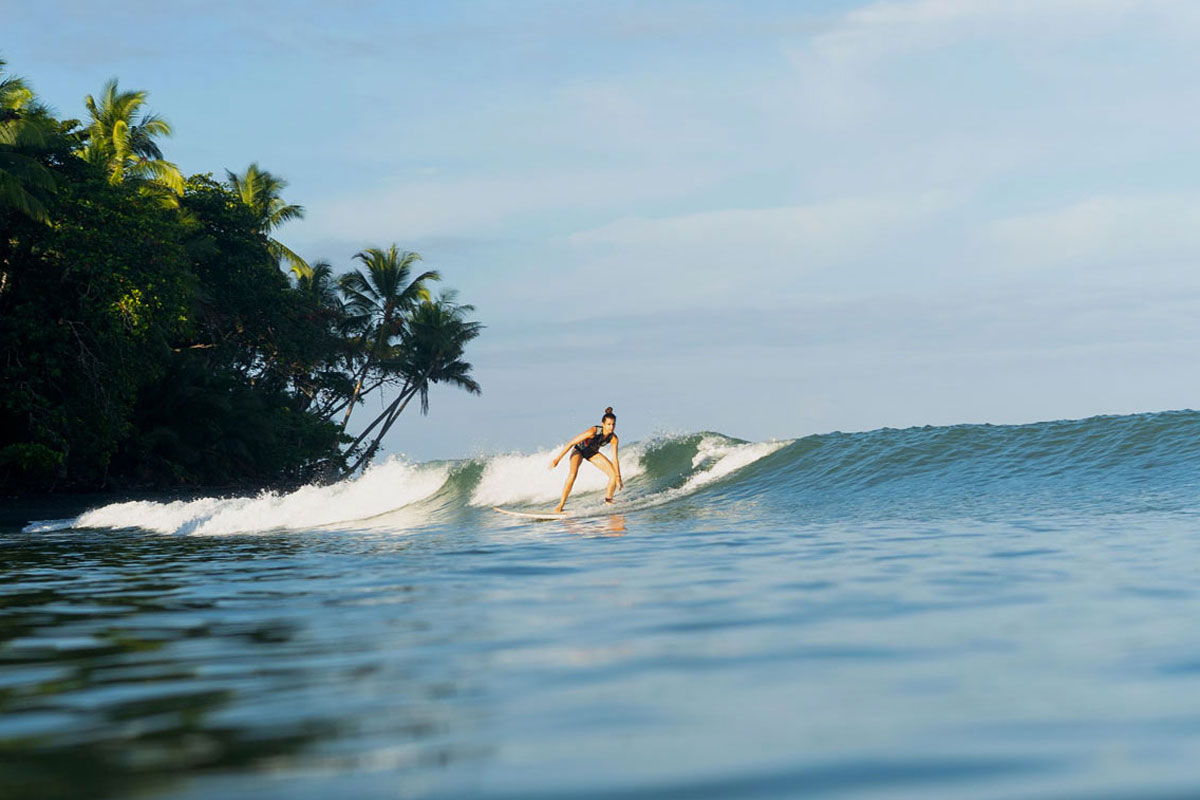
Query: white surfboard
{"type": "Point", "coordinates": [532, 514]}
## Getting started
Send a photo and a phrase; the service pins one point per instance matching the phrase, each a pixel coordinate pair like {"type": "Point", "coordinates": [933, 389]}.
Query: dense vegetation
{"type": "Point", "coordinates": [150, 336]}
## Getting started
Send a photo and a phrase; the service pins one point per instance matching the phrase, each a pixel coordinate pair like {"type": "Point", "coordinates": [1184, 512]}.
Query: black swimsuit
{"type": "Point", "coordinates": [591, 446]}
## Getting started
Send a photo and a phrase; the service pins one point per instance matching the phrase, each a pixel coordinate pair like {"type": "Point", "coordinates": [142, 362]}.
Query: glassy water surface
{"type": "Point", "coordinates": [945, 612]}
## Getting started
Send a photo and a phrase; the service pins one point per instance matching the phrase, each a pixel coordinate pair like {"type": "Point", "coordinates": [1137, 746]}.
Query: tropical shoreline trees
{"type": "Point", "coordinates": [22, 135]}
{"type": "Point", "coordinates": [124, 145]}
{"type": "Point", "coordinates": [378, 303]}
{"type": "Point", "coordinates": [432, 344]}
{"type": "Point", "coordinates": [261, 192]}
{"type": "Point", "coordinates": [153, 332]}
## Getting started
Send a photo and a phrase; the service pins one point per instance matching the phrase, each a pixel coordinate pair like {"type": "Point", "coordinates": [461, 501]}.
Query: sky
{"type": "Point", "coordinates": [767, 219]}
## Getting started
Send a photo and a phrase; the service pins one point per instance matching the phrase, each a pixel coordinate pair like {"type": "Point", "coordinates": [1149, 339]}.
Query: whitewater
{"type": "Point", "coordinates": [972, 610]}
{"type": "Point", "coordinates": [397, 494]}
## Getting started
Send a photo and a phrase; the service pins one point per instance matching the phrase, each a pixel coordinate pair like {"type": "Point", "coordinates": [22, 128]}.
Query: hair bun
{"type": "Point", "coordinates": [608, 410]}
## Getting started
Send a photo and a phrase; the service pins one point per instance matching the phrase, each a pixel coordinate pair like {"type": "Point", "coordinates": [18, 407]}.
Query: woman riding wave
{"type": "Point", "coordinates": [587, 445]}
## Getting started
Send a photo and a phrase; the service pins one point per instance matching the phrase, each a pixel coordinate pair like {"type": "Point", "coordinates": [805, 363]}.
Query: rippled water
{"type": "Point", "coordinates": [956, 612]}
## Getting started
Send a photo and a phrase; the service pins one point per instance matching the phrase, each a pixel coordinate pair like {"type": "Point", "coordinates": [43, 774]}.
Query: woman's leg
{"type": "Point", "coordinates": [603, 463]}
{"type": "Point", "coordinates": [574, 470]}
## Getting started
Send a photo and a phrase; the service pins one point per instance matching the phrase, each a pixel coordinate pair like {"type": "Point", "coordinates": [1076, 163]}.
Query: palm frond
{"type": "Point", "coordinates": [296, 264]}
{"type": "Point", "coordinates": [417, 291]}
{"type": "Point", "coordinates": [261, 192]}
{"type": "Point", "coordinates": [360, 294]}
{"type": "Point", "coordinates": [154, 125]}
{"type": "Point", "coordinates": [281, 213]}
{"type": "Point", "coordinates": [14, 94]}
{"type": "Point", "coordinates": [14, 195]}
{"type": "Point", "coordinates": [125, 144]}
{"type": "Point", "coordinates": [164, 173]}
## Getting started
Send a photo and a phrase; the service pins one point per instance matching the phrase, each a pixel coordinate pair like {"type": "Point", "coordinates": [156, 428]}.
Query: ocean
{"type": "Point", "coordinates": [943, 612]}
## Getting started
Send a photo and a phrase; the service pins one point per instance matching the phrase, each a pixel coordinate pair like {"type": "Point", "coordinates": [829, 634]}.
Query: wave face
{"type": "Point", "coordinates": [1112, 464]}
{"type": "Point", "coordinates": [1143, 462]}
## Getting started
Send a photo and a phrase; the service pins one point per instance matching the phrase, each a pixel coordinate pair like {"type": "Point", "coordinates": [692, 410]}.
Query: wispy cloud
{"type": "Point", "coordinates": [1103, 232]}
{"type": "Point", "coordinates": [701, 257]}
{"type": "Point", "coordinates": [880, 30]}
{"type": "Point", "coordinates": [487, 206]}
{"type": "Point", "coordinates": [829, 229]}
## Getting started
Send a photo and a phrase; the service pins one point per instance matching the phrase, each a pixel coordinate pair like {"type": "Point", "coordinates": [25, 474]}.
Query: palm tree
{"type": "Point", "coordinates": [318, 284]}
{"type": "Point", "coordinates": [434, 342]}
{"type": "Point", "coordinates": [377, 303]}
{"type": "Point", "coordinates": [125, 146]}
{"type": "Point", "coordinates": [328, 384]}
{"type": "Point", "coordinates": [437, 336]}
{"type": "Point", "coordinates": [21, 175]}
{"type": "Point", "coordinates": [260, 190]}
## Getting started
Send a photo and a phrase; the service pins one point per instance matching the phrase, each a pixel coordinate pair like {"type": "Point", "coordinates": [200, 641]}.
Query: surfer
{"type": "Point", "coordinates": [587, 445]}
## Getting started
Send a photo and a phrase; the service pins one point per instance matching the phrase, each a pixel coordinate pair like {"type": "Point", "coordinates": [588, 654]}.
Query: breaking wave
{"type": "Point", "coordinates": [1136, 462]}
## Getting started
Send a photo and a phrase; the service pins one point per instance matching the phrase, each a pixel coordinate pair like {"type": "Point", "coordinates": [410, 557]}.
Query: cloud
{"type": "Point", "coordinates": [954, 323]}
{"type": "Point", "coordinates": [882, 29]}
{"type": "Point", "coordinates": [481, 205]}
{"type": "Point", "coordinates": [730, 253]}
{"type": "Point", "coordinates": [1104, 231]}
{"type": "Point", "coordinates": [833, 227]}
{"type": "Point", "coordinates": [850, 72]}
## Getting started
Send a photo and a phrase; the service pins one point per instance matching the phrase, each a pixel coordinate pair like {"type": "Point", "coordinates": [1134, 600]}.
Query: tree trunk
{"type": "Point", "coordinates": [383, 326]}
{"type": "Point", "coordinates": [366, 457]}
{"type": "Point", "coordinates": [357, 388]}
{"type": "Point", "coordinates": [334, 405]}
{"type": "Point", "coordinates": [391, 414]}
{"type": "Point", "coordinates": [382, 416]}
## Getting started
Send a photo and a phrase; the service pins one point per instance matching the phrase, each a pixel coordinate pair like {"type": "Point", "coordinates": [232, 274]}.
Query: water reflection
{"type": "Point", "coordinates": [611, 525]}
{"type": "Point", "coordinates": [731, 656]}
{"type": "Point", "coordinates": [128, 661]}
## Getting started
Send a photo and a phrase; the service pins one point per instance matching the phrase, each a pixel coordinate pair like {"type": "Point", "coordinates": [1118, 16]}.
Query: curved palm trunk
{"type": "Point", "coordinates": [354, 395]}
{"type": "Point", "coordinates": [333, 405]}
{"type": "Point", "coordinates": [388, 425]}
{"type": "Point", "coordinates": [390, 414]}
{"type": "Point", "coordinates": [362, 376]}
{"type": "Point", "coordinates": [383, 416]}
{"type": "Point", "coordinates": [388, 417]}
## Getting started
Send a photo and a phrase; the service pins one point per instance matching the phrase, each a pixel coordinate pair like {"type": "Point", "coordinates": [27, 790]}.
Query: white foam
{"type": "Point", "coordinates": [725, 458]}
{"type": "Point", "coordinates": [49, 525]}
{"type": "Point", "coordinates": [722, 457]}
{"type": "Point", "coordinates": [518, 478]}
{"type": "Point", "coordinates": [382, 488]}
{"type": "Point", "coordinates": [384, 495]}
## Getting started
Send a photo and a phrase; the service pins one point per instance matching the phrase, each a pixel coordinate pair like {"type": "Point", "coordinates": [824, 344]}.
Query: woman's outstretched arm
{"type": "Point", "coordinates": [581, 437]}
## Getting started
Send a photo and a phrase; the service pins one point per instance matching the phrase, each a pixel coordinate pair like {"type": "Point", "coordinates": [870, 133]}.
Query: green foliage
{"type": "Point", "coordinates": [241, 290]}
{"type": "Point", "coordinates": [27, 464]}
{"type": "Point", "coordinates": [261, 192]}
{"type": "Point", "coordinates": [124, 144]}
{"type": "Point", "coordinates": [88, 308]}
{"type": "Point", "coordinates": [151, 342]}
{"type": "Point", "coordinates": [23, 180]}
{"type": "Point", "coordinates": [378, 303]}
{"type": "Point", "coordinates": [433, 342]}
{"type": "Point", "coordinates": [234, 431]}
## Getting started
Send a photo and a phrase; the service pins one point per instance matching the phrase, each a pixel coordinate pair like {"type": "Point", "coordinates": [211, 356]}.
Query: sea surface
{"type": "Point", "coordinates": [971, 611]}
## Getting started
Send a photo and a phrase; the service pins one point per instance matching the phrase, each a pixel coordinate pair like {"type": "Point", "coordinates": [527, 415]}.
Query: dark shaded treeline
{"type": "Point", "coordinates": [149, 337]}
